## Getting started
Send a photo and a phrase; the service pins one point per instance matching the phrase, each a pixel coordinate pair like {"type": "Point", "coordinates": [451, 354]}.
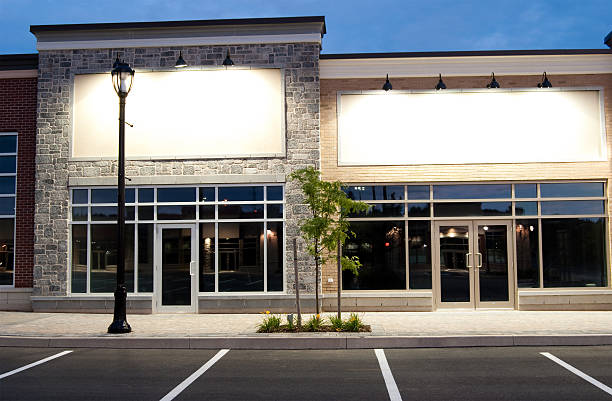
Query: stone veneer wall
{"type": "Point", "coordinates": [53, 166]}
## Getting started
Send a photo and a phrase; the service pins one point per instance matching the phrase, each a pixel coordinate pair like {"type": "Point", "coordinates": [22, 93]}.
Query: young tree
{"type": "Point", "coordinates": [327, 227]}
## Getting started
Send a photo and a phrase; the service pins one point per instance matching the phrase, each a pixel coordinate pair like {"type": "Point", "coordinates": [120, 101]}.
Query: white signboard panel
{"type": "Point", "coordinates": [233, 112]}
{"type": "Point", "coordinates": [493, 126]}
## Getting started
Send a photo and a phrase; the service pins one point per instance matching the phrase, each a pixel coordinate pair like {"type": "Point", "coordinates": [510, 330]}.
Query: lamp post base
{"type": "Point", "coordinates": [120, 324]}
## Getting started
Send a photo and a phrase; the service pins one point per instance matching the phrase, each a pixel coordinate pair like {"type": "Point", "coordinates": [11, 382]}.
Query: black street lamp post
{"type": "Point", "coordinates": [123, 77]}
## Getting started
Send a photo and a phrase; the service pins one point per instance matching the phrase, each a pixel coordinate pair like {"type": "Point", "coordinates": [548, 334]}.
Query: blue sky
{"type": "Point", "coordinates": [352, 26]}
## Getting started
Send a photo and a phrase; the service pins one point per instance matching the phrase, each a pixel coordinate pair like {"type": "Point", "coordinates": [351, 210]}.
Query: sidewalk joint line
{"type": "Point", "coordinates": [31, 365]}
{"type": "Point", "coordinates": [187, 382]}
{"type": "Point", "coordinates": [394, 394]}
{"type": "Point", "coordinates": [578, 372]}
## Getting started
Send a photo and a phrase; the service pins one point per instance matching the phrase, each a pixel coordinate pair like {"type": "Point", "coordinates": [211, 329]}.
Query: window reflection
{"type": "Point", "coordinates": [419, 266]}
{"type": "Point", "coordinates": [207, 257]}
{"type": "Point", "coordinates": [472, 209]}
{"type": "Point", "coordinates": [241, 257]}
{"type": "Point", "coordinates": [79, 259]}
{"type": "Point", "coordinates": [274, 235]}
{"type": "Point", "coordinates": [527, 255]}
{"type": "Point", "coordinates": [378, 192]}
{"type": "Point", "coordinates": [381, 249]}
{"type": "Point", "coordinates": [472, 191]}
{"type": "Point", "coordinates": [104, 257]}
{"type": "Point", "coordinates": [145, 257]}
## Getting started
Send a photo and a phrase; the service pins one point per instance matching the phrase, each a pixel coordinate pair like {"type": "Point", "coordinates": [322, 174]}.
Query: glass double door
{"type": "Point", "coordinates": [474, 264]}
{"type": "Point", "coordinates": [176, 268]}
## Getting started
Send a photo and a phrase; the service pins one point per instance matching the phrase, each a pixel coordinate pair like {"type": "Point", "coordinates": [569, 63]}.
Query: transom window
{"type": "Point", "coordinates": [240, 236]}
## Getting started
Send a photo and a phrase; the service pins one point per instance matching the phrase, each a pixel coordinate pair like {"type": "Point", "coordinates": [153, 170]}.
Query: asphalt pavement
{"type": "Point", "coordinates": [500, 373]}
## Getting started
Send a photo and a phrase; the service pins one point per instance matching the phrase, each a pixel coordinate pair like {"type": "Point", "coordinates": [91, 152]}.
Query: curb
{"type": "Point", "coordinates": [302, 343]}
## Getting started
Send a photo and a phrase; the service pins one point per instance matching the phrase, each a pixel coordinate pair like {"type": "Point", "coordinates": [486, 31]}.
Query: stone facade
{"type": "Point", "coordinates": [54, 168]}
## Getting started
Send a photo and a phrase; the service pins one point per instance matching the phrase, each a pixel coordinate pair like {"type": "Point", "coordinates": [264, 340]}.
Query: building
{"type": "Point", "coordinates": [482, 196]}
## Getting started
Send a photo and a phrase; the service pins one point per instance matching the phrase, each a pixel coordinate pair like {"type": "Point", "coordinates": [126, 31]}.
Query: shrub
{"type": "Point", "coordinates": [336, 323]}
{"type": "Point", "coordinates": [353, 323]}
{"type": "Point", "coordinates": [290, 325]}
{"type": "Point", "coordinates": [270, 324]}
{"type": "Point", "coordinates": [314, 323]}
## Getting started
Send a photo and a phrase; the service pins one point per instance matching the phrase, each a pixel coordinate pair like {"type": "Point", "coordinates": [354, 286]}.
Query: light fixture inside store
{"type": "Point", "coordinates": [493, 84]}
{"type": "Point", "coordinates": [180, 62]}
{"type": "Point", "coordinates": [440, 84]}
{"type": "Point", "coordinates": [387, 86]}
{"type": "Point", "coordinates": [545, 82]}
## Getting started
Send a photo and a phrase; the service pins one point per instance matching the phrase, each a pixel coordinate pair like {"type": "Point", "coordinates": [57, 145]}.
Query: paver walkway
{"type": "Point", "coordinates": [443, 323]}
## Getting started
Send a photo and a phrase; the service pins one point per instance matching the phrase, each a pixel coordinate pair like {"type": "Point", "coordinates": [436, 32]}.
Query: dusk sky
{"type": "Point", "coordinates": [352, 26]}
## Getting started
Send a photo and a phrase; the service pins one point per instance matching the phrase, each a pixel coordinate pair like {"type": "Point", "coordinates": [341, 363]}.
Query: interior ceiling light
{"type": "Point", "coordinates": [493, 83]}
{"type": "Point", "coordinates": [180, 62]}
{"type": "Point", "coordinates": [228, 61]}
{"type": "Point", "coordinates": [441, 84]}
{"type": "Point", "coordinates": [387, 86]}
{"type": "Point", "coordinates": [545, 82]}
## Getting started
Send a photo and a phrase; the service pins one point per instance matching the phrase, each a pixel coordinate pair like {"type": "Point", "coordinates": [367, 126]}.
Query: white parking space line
{"type": "Point", "coordinates": [392, 389]}
{"type": "Point", "coordinates": [577, 372]}
{"type": "Point", "coordinates": [21, 369]}
{"type": "Point", "coordinates": [179, 389]}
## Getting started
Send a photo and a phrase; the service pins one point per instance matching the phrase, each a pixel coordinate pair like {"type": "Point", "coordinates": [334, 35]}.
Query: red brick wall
{"type": "Point", "coordinates": [18, 114]}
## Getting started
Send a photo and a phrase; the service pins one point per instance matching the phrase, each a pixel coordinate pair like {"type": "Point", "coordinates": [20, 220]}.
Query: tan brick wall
{"type": "Point", "coordinates": [455, 172]}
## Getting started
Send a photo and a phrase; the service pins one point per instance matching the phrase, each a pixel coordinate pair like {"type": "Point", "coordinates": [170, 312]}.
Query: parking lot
{"type": "Point", "coordinates": [513, 373]}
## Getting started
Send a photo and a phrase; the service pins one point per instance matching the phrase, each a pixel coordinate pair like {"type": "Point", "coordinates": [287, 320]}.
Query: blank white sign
{"type": "Point", "coordinates": [233, 112]}
{"type": "Point", "coordinates": [470, 127]}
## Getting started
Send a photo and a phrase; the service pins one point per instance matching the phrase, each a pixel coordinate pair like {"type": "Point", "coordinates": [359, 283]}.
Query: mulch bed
{"type": "Point", "coordinates": [324, 328]}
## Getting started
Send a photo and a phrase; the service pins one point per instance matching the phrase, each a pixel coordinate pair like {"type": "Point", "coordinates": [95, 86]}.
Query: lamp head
{"type": "Point", "coordinates": [493, 84]}
{"type": "Point", "coordinates": [545, 82]}
{"type": "Point", "coordinates": [441, 84]}
{"type": "Point", "coordinates": [228, 61]}
{"type": "Point", "coordinates": [180, 62]}
{"type": "Point", "coordinates": [123, 76]}
{"type": "Point", "coordinates": [387, 86]}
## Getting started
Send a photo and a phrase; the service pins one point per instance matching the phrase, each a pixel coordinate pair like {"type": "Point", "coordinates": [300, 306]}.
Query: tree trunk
{"type": "Point", "coordinates": [339, 280]}
{"type": "Point", "coordinates": [297, 284]}
{"type": "Point", "coordinates": [317, 311]}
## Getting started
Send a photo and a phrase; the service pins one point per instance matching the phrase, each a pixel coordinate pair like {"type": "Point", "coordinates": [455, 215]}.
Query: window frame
{"type": "Point", "coordinates": [13, 195]}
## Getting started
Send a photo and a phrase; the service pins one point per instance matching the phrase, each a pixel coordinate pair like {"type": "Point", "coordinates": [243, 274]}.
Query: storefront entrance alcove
{"type": "Point", "coordinates": [176, 268]}
{"type": "Point", "coordinates": [473, 264]}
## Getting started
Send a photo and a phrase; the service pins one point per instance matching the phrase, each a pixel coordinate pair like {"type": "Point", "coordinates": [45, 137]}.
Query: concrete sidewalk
{"type": "Point", "coordinates": [389, 329]}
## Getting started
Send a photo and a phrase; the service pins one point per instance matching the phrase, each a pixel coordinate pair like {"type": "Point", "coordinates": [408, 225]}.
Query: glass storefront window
{"type": "Point", "coordinates": [372, 193]}
{"type": "Point", "coordinates": [419, 253]}
{"type": "Point", "coordinates": [167, 195]}
{"type": "Point", "coordinates": [381, 248]}
{"type": "Point", "coordinates": [574, 252]}
{"type": "Point", "coordinates": [472, 209]}
{"type": "Point", "coordinates": [382, 210]}
{"type": "Point", "coordinates": [571, 190]}
{"type": "Point", "coordinates": [8, 188]}
{"type": "Point", "coordinates": [79, 259]}
{"type": "Point", "coordinates": [525, 191]}
{"type": "Point", "coordinates": [572, 207]}
{"type": "Point", "coordinates": [207, 257]}
{"type": "Point", "coordinates": [526, 208]}
{"type": "Point", "coordinates": [473, 191]}
{"type": "Point", "coordinates": [241, 257]}
{"type": "Point", "coordinates": [417, 192]}
{"type": "Point", "coordinates": [145, 257]}
{"type": "Point", "coordinates": [274, 235]}
{"type": "Point", "coordinates": [527, 255]}
{"type": "Point", "coordinates": [245, 194]}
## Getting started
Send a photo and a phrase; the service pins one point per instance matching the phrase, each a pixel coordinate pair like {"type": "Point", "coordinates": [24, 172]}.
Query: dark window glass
{"type": "Point", "coordinates": [574, 252]}
{"type": "Point", "coordinates": [381, 248]}
{"type": "Point", "coordinates": [526, 208]}
{"type": "Point", "coordinates": [130, 195]}
{"type": "Point", "coordinates": [419, 253]}
{"type": "Point", "coordinates": [7, 206]}
{"type": "Point", "coordinates": [275, 193]}
{"type": "Point", "coordinates": [176, 194]}
{"type": "Point", "coordinates": [473, 209]}
{"type": "Point", "coordinates": [473, 191]}
{"type": "Point", "coordinates": [493, 262]}
{"type": "Point", "coordinates": [79, 196]}
{"type": "Point", "coordinates": [207, 194]}
{"type": "Point", "coordinates": [79, 214]}
{"type": "Point", "coordinates": [274, 234]}
{"type": "Point", "coordinates": [145, 212]}
{"type": "Point", "coordinates": [7, 250]}
{"type": "Point", "coordinates": [572, 207]}
{"type": "Point", "coordinates": [7, 185]}
{"type": "Point", "coordinates": [241, 257]}
{"type": "Point", "coordinates": [254, 193]}
{"type": "Point", "coordinates": [527, 255]}
{"type": "Point", "coordinates": [104, 257]}
{"type": "Point", "coordinates": [382, 210]}
{"type": "Point", "coordinates": [8, 164]}
{"type": "Point", "coordinates": [104, 213]}
{"type": "Point", "coordinates": [379, 192]}
{"type": "Point", "coordinates": [207, 257]}
{"type": "Point", "coordinates": [576, 189]}
{"type": "Point", "coordinates": [207, 212]}
{"type": "Point", "coordinates": [418, 192]}
{"type": "Point", "coordinates": [176, 212]}
{"type": "Point", "coordinates": [230, 211]}
{"type": "Point", "coordinates": [454, 278]}
{"type": "Point", "coordinates": [418, 209]}
{"type": "Point", "coordinates": [525, 191]}
{"type": "Point", "coordinates": [79, 259]}
{"type": "Point", "coordinates": [145, 195]}
{"type": "Point", "coordinates": [275, 211]}
{"type": "Point", "coordinates": [176, 266]}
{"type": "Point", "coordinates": [8, 143]}
{"type": "Point", "coordinates": [145, 257]}
{"type": "Point", "coordinates": [106, 195]}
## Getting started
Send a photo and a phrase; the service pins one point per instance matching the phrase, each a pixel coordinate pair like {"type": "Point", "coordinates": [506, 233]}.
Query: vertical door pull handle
{"type": "Point", "coordinates": [479, 259]}
{"type": "Point", "coordinates": [467, 260]}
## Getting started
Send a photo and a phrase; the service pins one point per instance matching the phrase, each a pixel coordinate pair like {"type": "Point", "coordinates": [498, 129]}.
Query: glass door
{"type": "Point", "coordinates": [473, 264]}
{"type": "Point", "coordinates": [176, 268]}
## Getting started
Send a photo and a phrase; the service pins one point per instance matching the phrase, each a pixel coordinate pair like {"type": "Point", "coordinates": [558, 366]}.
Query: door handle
{"type": "Point", "coordinates": [479, 259]}
{"type": "Point", "coordinates": [467, 260]}
{"type": "Point", "coordinates": [192, 266]}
